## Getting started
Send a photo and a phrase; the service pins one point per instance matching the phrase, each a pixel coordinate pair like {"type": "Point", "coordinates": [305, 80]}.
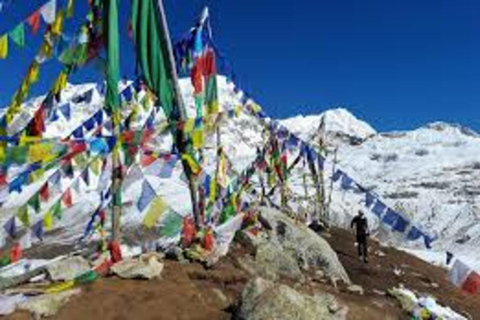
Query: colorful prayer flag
{"type": "Point", "coordinates": [157, 208]}
{"type": "Point", "coordinates": [146, 197]}
{"type": "Point", "coordinates": [49, 11]}
{"type": "Point", "coordinates": [18, 35]}
{"type": "Point", "coordinates": [34, 21]}
{"type": "Point", "coordinates": [4, 47]}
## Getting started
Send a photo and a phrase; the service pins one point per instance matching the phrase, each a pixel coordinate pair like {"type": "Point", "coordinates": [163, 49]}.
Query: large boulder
{"type": "Point", "coordinates": [272, 262]}
{"type": "Point", "coordinates": [309, 249]}
{"type": "Point", "coordinates": [265, 300]}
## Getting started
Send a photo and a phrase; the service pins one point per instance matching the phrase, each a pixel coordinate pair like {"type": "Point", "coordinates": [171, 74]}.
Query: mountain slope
{"type": "Point", "coordinates": [430, 174]}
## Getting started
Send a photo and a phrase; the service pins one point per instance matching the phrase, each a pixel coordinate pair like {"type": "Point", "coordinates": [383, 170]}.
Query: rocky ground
{"type": "Point", "coordinates": [273, 279]}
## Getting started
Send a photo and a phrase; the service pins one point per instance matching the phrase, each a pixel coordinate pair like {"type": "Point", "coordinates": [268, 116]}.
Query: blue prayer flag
{"type": "Point", "coordinates": [346, 182]}
{"type": "Point", "coordinates": [89, 124]}
{"type": "Point", "coordinates": [414, 234]}
{"type": "Point", "coordinates": [10, 227]}
{"type": "Point", "coordinates": [148, 194]}
{"type": "Point", "coordinates": [167, 169]}
{"type": "Point", "coordinates": [37, 229]}
{"type": "Point", "coordinates": [369, 199]}
{"type": "Point", "coordinates": [401, 224]}
{"type": "Point", "coordinates": [337, 175]}
{"type": "Point", "coordinates": [98, 116]}
{"type": "Point", "coordinates": [78, 133]}
{"type": "Point", "coordinates": [390, 217]}
{"type": "Point", "coordinates": [65, 110]}
{"type": "Point", "coordinates": [379, 208]}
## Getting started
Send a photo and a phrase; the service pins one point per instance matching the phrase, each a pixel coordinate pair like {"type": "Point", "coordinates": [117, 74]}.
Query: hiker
{"type": "Point", "coordinates": [360, 223]}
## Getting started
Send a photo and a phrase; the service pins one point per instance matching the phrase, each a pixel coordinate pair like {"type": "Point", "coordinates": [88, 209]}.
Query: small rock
{"type": "Point", "coordinates": [221, 296]}
{"type": "Point", "coordinates": [138, 269]}
{"type": "Point", "coordinates": [379, 253]}
{"type": "Point", "coordinates": [354, 288]}
{"type": "Point", "coordinates": [319, 274]}
{"type": "Point", "coordinates": [68, 269]}
{"type": "Point", "coordinates": [379, 292]}
{"type": "Point", "coordinates": [435, 285]}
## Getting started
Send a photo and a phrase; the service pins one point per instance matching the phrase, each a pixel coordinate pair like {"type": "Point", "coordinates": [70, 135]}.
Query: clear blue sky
{"type": "Point", "coordinates": [396, 64]}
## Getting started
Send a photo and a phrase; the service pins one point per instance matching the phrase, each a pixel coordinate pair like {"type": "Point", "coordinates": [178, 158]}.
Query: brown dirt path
{"type": "Point", "coordinates": [416, 275]}
{"type": "Point", "coordinates": [189, 291]}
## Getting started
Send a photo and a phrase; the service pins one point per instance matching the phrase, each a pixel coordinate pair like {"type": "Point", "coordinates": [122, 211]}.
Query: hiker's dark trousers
{"type": "Point", "coordinates": [362, 246]}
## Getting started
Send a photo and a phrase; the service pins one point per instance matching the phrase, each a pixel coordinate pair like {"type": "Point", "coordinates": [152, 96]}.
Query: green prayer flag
{"type": "Point", "coordinates": [23, 216]}
{"type": "Point", "coordinates": [152, 52]}
{"type": "Point", "coordinates": [57, 210]}
{"type": "Point", "coordinates": [171, 224]}
{"type": "Point", "coordinates": [18, 35]}
{"type": "Point", "coordinates": [110, 21]}
{"type": "Point", "coordinates": [34, 202]}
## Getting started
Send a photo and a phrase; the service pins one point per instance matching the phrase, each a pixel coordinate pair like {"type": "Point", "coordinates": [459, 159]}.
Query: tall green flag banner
{"type": "Point", "coordinates": [152, 52]}
{"type": "Point", "coordinates": [113, 56]}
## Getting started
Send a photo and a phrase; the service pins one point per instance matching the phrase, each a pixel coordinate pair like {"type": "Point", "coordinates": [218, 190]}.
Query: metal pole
{"type": "Point", "coordinates": [181, 139]}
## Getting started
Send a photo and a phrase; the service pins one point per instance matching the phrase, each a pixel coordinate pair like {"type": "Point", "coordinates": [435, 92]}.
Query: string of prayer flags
{"type": "Point", "coordinates": [157, 208]}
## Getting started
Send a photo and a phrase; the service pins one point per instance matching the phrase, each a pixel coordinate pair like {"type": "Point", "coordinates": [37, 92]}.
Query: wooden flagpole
{"type": "Point", "coordinates": [181, 139]}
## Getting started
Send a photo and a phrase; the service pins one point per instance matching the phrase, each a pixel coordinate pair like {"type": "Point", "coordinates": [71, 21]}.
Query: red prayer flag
{"type": "Point", "coordinates": [209, 64]}
{"type": "Point", "coordinates": [128, 136]}
{"type": "Point", "coordinates": [34, 21]}
{"type": "Point", "coordinates": [197, 79]}
{"type": "Point", "coordinates": [147, 160]}
{"type": "Point", "coordinates": [67, 198]}
{"type": "Point", "coordinates": [3, 179]}
{"type": "Point", "coordinates": [44, 193]}
{"type": "Point", "coordinates": [472, 284]}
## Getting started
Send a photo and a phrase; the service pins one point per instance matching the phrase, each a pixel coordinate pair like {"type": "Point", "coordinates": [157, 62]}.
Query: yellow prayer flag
{"type": "Point", "coordinates": [157, 208]}
{"type": "Point", "coordinates": [57, 25]}
{"type": "Point", "coordinates": [192, 163]}
{"type": "Point", "coordinates": [222, 171]}
{"type": "Point", "coordinates": [96, 165]}
{"type": "Point", "coordinates": [238, 110]}
{"type": "Point", "coordinates": [70, 9]}
{"type": "Point", "coordinates": [2, 154]}
{"type": "Point", "coordinates": [40, 152]}
{"type": "Point", "coordinates": [197, 138]}
{"type": "Point", "coordinates": [213, 190]}
{"type": "Point", "coordinates": [33, 72]}
{"type": "Point", "coordinates": [56, 288]}
{"type": "Point", "coordinates": [189, 125]}
{"type": "Point", "coordinates": [48, 220]}
{"type": "Point", "coordinates": [37, 175]}
{"type": "Point", "coordinates": [4, 46]}
{"type": "Point", "coordinates": [61, 82]}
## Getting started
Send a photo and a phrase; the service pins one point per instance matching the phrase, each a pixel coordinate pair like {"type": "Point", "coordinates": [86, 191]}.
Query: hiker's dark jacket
{"type": "Point", "coordinates": [361, 225]}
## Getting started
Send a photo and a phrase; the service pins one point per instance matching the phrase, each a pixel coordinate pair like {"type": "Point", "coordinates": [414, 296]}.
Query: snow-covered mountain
{"type": "Point", "coordinates": [431, 174]}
